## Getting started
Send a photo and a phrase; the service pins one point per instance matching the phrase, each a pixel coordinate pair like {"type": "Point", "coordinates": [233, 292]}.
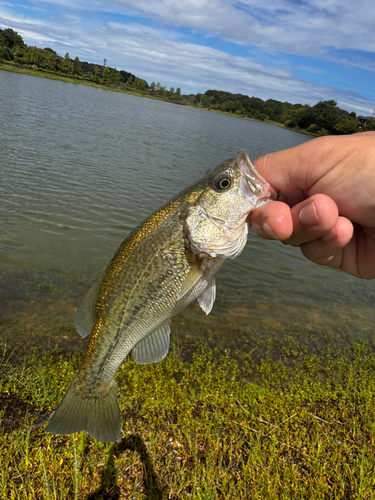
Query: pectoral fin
{"type": "Point", "coordinates": [207, 299]}
{"type": "Point", "coordinates": [191, 279]}
{"type": "Point", "coordinates": [85, 317]}
{"type": "Point", "coordinates": [154, 347]}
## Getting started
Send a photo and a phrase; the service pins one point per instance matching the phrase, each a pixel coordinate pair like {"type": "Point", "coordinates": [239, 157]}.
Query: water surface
{"type": "Point", "coordinates": [80, 167]}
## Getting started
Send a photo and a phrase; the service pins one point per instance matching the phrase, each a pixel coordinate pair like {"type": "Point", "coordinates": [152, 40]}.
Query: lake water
{"type": "Point", "coordinates": [80, 167]}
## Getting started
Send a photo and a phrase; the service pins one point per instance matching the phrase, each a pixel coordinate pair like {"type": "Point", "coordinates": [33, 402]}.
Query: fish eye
{"type": "Point", "coordinates": [223, 182]}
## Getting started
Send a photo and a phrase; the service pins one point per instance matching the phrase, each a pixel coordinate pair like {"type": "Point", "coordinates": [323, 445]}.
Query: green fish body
{"type": "Point", "coordinates": [164, 264]}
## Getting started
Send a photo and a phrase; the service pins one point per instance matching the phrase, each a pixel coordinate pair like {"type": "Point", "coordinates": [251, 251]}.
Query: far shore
{"type": "Point", "coordinates": [51, 75]}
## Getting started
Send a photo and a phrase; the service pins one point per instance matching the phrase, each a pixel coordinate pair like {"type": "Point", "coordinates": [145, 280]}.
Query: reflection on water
{"type": "Point", "coordinates": [81, 167]}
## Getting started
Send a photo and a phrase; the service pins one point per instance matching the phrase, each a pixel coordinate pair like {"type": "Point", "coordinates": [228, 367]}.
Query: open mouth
{"type": "Point", "coordinates": [252, 183]}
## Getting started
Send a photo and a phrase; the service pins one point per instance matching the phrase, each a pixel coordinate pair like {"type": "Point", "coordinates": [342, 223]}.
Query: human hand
{"type": "Point", "coordinates": [327, 201]}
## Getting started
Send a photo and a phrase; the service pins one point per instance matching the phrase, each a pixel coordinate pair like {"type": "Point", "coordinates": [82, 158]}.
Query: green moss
{"type": "Point", "coordinates": [219, 426]}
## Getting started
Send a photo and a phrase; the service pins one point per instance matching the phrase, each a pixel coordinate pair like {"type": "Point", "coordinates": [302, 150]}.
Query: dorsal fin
{"type": "Point", "coordinates": [85, 317]}
{"type": "Point", "coordinates": [154, 347]}
{"type": "Point", "coordinates": [207, 298]}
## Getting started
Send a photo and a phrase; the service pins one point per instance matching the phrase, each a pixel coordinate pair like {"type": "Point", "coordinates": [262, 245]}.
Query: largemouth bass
{"type": "Point", "coordinates": [165, 263]}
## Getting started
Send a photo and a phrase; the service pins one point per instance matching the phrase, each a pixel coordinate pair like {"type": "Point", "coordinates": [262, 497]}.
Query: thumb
{"type": "Point", "coordinates": [299, 167]}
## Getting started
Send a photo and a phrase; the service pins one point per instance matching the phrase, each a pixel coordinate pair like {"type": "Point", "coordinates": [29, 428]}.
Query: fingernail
{"type": "Point", "coordinates": [267, 229]}
{"type": "Point", "coordinates": [308, 215]}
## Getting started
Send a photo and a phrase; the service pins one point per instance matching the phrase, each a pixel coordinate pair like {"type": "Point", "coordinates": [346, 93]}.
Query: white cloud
{"type": "Point", "coordinates": [281, 25]}
{"type": "Point", "coordinates": [161, 53]}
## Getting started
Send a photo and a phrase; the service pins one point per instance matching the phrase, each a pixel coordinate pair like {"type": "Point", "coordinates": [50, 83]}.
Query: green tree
{"type": "Point", "coordinates": [130, 81]}
{"type": "Point", "coordinates": [5, 53]}
{"type": "Point", "coordinates": [43, 58]}
{"type": "Point", "coordinates": [97, 73]}
{"type": "Point", "coordinates": [115, 77]}
{"type": "Point", "coordinates": [2, 47]}
{"type": "Point", "coordinates": [303, 117]}
{"type": "Point", "coordinates": [346, 125]}
{"type": "Point", "coordinates": [326, 114]}
{"type": "Point", "coordinates": [18, 53]}
{"type": "Point", "coordinates": [77, 70]}
{"type": "Point", "coordinates": [206, 101]}
{"type": "Point", "coordinates": [12, 39]}
{"type": "Point", "coordinates": [66, 64]}
{"type": "Point", "coordinates": [106, 75]}
{"type": "Point", "coordinates": [140, 84]}
{"type": "Point", "coordinates": [152, 87]}
{"type": "Point", "coordinates": [370, 125]}
{"type": "Point", "coordinates": [314, 128]}
{"type": "Point", "coordinates": [33, 56]}
{"type": "Point", "coordinates": [52, 61]}
{"type": "Point", "coordinates": [193, 99]}
{"type": "Point", "coordinates": [178, 94]}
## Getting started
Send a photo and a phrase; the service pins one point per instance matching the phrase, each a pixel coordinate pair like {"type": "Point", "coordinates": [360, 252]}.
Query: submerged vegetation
{"type": "Point", "coordinates": [295, 423]}
{"type": "Point", "coordinates": [323, 118]}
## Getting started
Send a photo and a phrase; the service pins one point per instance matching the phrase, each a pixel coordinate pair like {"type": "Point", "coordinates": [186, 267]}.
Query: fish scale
{"type": "Point", "coordinates": [164, 264]}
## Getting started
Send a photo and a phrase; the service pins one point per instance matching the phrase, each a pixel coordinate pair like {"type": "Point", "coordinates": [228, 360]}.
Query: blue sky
{"type": "Point", "coordinates": [290, 50]}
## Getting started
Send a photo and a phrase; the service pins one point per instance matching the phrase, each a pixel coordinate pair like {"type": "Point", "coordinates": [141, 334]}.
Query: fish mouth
{"type": "Point", "coordinates": [252, 183]}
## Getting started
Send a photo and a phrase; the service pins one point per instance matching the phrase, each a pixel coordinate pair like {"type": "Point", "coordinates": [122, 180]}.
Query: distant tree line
{"type": "Point", "coordinates": [323, 118]}
{"type": "Point", "coordinates": [13, 48]}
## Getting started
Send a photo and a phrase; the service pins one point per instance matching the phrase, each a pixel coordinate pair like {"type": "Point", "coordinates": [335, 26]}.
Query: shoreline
{"type": "Point", "coordinates": [217, 427]}
{"type": "Point", "coordinates": [51, 75]}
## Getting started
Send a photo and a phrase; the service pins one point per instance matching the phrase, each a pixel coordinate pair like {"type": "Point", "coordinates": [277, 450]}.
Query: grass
{"type": "Point", "coordinates": [54, 75]}
{"type": "Point", "coordinates": [299, 424]}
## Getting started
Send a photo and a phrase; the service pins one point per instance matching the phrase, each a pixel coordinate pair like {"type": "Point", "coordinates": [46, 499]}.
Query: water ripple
{"type": "Point", "coordinates": [81, 167]}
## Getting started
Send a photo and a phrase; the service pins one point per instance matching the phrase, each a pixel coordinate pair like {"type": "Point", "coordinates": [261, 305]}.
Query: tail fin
{"type": "Point", "coordinates": [99, 417]}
